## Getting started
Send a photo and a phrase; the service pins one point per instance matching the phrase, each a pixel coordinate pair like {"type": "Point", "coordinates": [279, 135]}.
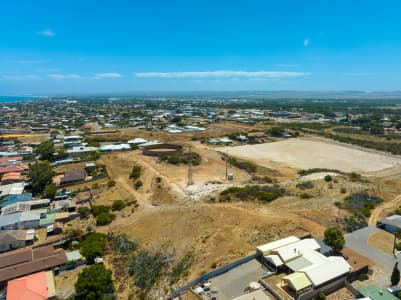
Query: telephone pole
{"type": "Point", "coordinates": [189, 166]}
{"type": "Point", "coordinates": [226, 165]}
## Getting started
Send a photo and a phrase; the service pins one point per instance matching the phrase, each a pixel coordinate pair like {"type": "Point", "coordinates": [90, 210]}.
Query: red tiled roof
{"type": "Point", "coordinates": [14, 168]}
{"type": "Point", "coordinates": [32, 287]}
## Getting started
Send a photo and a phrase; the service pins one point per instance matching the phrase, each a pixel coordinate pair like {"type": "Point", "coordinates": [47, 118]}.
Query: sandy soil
{"type": "Point", "coordinates": [382, 240]}
{"type": "Point", "coordinates": [306, 153]}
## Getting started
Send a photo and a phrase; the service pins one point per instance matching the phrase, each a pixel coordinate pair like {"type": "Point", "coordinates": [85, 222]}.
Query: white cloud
{"type": "Point", "coordinates": [107, 75]}
{"type": "Point", "coordinates": [20, 77]}
{"type": "Point", "coordinates": [306, 42]}
{"type": "Point", "coordinates": [220, 74]}
{"type": "Point", "coordinates": [46, 32]}
{"type": "Point", "coordinates": [64, 76]}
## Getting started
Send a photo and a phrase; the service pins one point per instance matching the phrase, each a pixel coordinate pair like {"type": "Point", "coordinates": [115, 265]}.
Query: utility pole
{"type": "Point", "coordinates": [189, 166]}
{"type": "Point", "coordinates": [226, 165]}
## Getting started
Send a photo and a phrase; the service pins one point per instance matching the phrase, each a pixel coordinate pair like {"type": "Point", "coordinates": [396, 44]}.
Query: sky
{"type": "Point", "coordinates": [52, 47]}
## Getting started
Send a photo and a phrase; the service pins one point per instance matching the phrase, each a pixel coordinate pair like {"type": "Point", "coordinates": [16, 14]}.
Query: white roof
{"type": "Point", "coordinates": [297, 249]}
{"type": "Point", "coordinates": [81, 149]}
{"type": "Point", "coordinates": [115, 147]}
{"type": "Point", "coordinates": [11, 189]}
{"type": "Point", "coordinates": [331, 269]}
{"type": "Point", "coordinates": [150, 143]}
{"type": "Point", "coordinates": [275, 259]}
{"type": "Point", "coordinates": [72, 137]}
{"type": "Point", "coordinates": [277, 244]}
{"type": "Point", "coordinates": [137, 141]}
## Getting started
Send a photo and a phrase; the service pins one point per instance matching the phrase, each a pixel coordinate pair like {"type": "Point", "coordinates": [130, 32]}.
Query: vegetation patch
{"type": "Point", "coordinates": [243, 165]}
{"type": "Point", "coordinates": [184, 158]}
{"type": "Point", "coordinates": [253, 193]}
{"type": "Point", "coordinates": [305, 185]}
{"type": "Point", "coordinates": [361, 203]}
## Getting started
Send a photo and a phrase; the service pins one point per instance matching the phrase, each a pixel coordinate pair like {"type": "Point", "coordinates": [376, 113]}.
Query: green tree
{"type": "Point", "coordinates": [84, 212]}
{"type": "Point", "coordinates": [50, 190]}
{"type": "Point", "coordinates": [45, 150]}
{"type": "Point", "coordinates": [94, 245]}
{"type": "Point", "coordinates": [41, 174]}
{"type": "Point", "coordinates": [94, 282]}
{"type": "Point", "coordinates": [334, 237]}
{"type": "Point", "coordinates": [395, 276]}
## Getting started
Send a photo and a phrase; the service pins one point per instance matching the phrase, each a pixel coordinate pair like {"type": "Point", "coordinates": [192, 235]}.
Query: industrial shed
{"type": "Point", "coordinates": [391, 224]}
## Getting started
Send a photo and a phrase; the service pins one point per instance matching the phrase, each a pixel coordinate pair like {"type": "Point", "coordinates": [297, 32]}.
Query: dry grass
{"type": "Point", "coordinates": [382, 240]}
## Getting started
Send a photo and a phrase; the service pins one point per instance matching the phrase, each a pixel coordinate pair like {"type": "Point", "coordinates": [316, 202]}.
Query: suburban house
{"type": "Point", "coordinates": [14, 168]}
{"type": "Point", "coordinates": [24, 262]}
{"type": "Point", "coordinates": [21, 220]}
{"type": "Point", "coordinates": [11, 177]}
{"type": "Point", "coordinates": [38, 286]}
{"type": "Point", "coordinates": [391, 224]}
{"type": "Point", "coordinates": [306, 268]}
{"type": "Point", "coordinates": [11, 189]}
{"type": "Point", "coordinates": [14, 239]}
{"type": "Point", "coordinates": [72, 177]}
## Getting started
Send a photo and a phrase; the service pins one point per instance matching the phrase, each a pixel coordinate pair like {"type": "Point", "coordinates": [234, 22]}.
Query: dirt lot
{"type": "Point", "coordinates": [382, 240]}
{"type": "Point", "coordinates": [306, 153]}
{"type": "Point", "coordinates": [213, 130]}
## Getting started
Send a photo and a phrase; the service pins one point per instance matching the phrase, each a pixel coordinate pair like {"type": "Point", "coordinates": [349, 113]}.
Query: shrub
{"type": "Point", "coordinates": [328, 178]}
{"type": "Point", "coordinates": [111, 183]}
{"type": "Point", "coordinates": [97, 209]}
{"type": "Point", "coordinates": [305, 196]}
{"type": "Point", "coordinates": [147, 268]}
{"type": "Point", "coordinates": [363, 277]}
{"type": "Point", "coordinates": [121, 244]}
{"type": "Point", "coordinates": [105, 218]}
{"type": "Point", "coordinates": [255, 192]}
{"type": "Point", "coordinates": [343, 190]}
{"type": "Point", "coordinates": [136, 172]}
{"type": "Point", "coordinates": [305, 185]}
{"type": "Point", "coordinates": [138, 184]}
{"type": "Point", "coordinates": [117, 205]}
{"type": "Point", "coordinates": [181, 268]}
{"type": "Point", "coordinates": [84, 212]}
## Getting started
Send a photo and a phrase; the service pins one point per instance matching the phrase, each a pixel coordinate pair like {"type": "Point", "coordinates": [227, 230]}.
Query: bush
{"type": "Point", "coordinates": [117, 205]}
{"type": "Point", "coordinates": [334, 238]}
{"type": "Point", "coordinates": [255, 192]}
{"type": "Point", "coordinates": [305, 185]}
{"type": "Point", "coordinates": [181, 268]}
{"type": "Point", "coordinates": [363, 277]}
{"type": "Point", "coordinates": [94, 282]}
{"type": "Point", "coordinates": [97, 209]}
{"type": "Point", "coordinates": [305, 196]}
{"type": "Point", "coordinates": [343, 190]}
{"type": "Point", "coordinates": [138, 184]}
{"type": "Point", "coordinates": [147, 268]}
{"type": "Point", "coordinates": [121, 244]}
{"type": "Point", "coordinates": [328, 178]}
{"type": "Point", "coordinates": [243, 165]}
{"type": "Point", "coordinates": [321, 296]}
{"type": "Point", "coordinates": [94, 245]}
{"type": "Point", "coordinates": [111, 183]}
{"type": "Point", "coordinates": [136, 172]}
{"type": "Point", "coordinates": [104, 218]}
{"type": "Point", "coordinates": [84, 212]}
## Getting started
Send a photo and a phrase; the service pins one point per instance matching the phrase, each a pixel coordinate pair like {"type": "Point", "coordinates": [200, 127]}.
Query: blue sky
{"type": "Point", "coordinates": [98, 46]}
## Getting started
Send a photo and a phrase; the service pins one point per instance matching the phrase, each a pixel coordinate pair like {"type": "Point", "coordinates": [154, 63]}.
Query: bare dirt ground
{"type": "Point", "coordinates": [306, 153]}
{"type": "Point", "coordinates": [213, 130]}
{"type": "Point", "coordinates": [382, 240]}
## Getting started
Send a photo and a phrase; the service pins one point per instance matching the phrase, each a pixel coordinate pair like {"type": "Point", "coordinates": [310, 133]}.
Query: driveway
{"type": "Point", "coordinates": [358, 241]}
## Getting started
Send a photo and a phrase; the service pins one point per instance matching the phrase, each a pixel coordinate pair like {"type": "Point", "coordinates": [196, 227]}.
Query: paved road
{"type": "Point", "coordinates": [358, 241]}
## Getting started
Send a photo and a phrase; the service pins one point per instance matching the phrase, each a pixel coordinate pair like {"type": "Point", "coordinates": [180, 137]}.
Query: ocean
{"type": "Point", "coordinates": [5, 99]}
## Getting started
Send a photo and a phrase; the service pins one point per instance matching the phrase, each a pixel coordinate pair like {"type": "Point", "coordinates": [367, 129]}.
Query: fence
{"type": "Point", "coordinates": [212, 274]}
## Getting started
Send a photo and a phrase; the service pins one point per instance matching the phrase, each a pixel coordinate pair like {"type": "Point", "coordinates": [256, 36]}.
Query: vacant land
{"type": "Point", "coordinates": [306, 153]}
{"type": "Point", "coordinates": [382, 240]}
